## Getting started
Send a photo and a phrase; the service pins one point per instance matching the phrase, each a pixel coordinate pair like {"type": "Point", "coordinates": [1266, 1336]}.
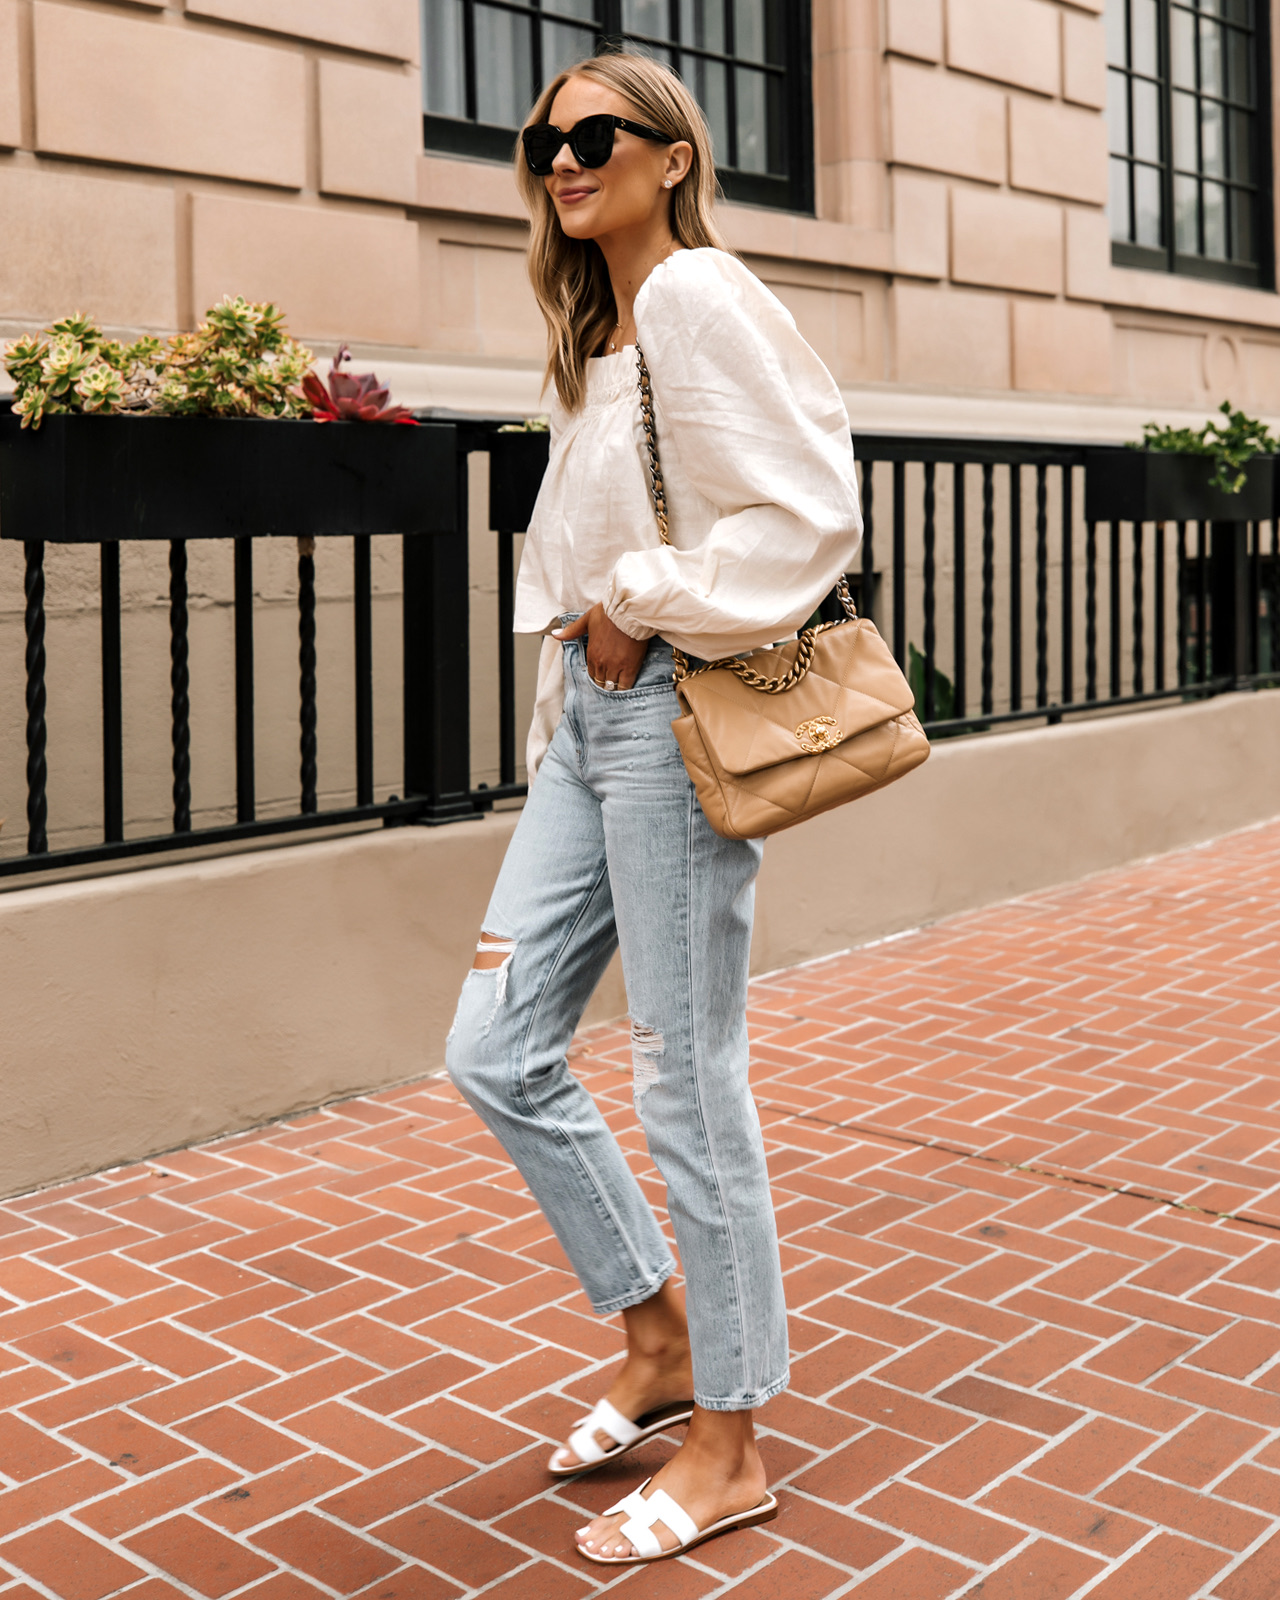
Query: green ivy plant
{"type": "Point", "coordinates": [239, 362]}
{"type": "Point", "coordinates": [1231, 445]}
{"type": "Point", "coordinates": [944, 694]}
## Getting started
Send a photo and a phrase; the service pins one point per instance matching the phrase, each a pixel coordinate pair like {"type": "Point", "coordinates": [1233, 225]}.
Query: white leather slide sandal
{"type": "Point", "coordinates": [642, 1514]}
{"type": "Point", "coordinates": [626, 1435]}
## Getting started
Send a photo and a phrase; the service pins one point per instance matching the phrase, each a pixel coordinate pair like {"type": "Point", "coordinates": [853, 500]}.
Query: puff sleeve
{"type": "Point", "coordinates": [750, 420]}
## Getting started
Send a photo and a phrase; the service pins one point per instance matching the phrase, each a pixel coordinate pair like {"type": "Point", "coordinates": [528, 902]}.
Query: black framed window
{"type": "Point", "coordinates": [1188, 97]}
{"type": "Point", "coordinates": [746, 60]}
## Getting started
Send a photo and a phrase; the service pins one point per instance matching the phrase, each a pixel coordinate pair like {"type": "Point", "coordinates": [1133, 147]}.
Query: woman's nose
{"type": "Point", "coordinates": [566, 163]}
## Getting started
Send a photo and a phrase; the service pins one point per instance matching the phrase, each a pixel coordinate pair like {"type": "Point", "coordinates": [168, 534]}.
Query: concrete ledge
{"type": "Point", "coordinates": [993, 817]}
{"type": "Point", "coordinates": [158, 1007]}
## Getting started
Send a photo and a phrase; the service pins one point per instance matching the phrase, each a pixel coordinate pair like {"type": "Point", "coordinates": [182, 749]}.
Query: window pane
{"type": "Point", "coordinates": [444, 76]}
{"type": "Point", "coordinates": [1212, 76]}
{"type": "Point", "coordinates": [1182, 38]}
{"type": "Point", "coordinates": [1146, 36]}
{"type": "Point", "coordinates": [1118, 112]}
{"type": "Point", "coordinates": [748, 30]}
{"type": "Point", "coordinates": [562, 45]}
{"type": "Point", "coordinates": [1186, 213]}
{"type": "Point", "coordinates": [1146, 205]}
{"type": "Point", "coordinates": [504, 81]}
{"type": "Point", "coordinates": [1117, 50]}
{"type": "Point", "coordinates": [1213, 155]}
{"type": "Point", "coordinates": [1202, 80]}
{"type": "Point", "coordinates": [709, 81]}
{"type": "Point", "coordinates": [777, 125]}
{"type": "Point", "coordinates": [480, 56]}
{"type": "Point", "coordinates": [1242, 245]}
{"type": "Point", "coordinates": [1240, 66]}
{"type": "Point", "coordinates": [757, 129]}
{"type": "Point", "coordinates": [1186, 150]}
{"type": "Point", "coordinates": [1215, 221]}
{"type": "Point", "coordinates": [1241, 147]}
{"type": "Point", "coordinates": [652, 17]}
{"type": "Point", "coordinates": [1146, 120]}
{"type": "Point", "coordinates": [655, 52]}
{"type": "Point", "coordinates": [1118, 205]}
{"type": "Point", "coordinates": [702, 23]}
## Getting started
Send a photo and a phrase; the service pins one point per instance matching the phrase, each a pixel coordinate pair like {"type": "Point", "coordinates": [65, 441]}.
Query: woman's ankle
{"type": "Point", "coordinates": [726, 1438]}
{"type": "Point", "coordinates": [656, 1329]}
{"type": "Point", "coordinates": [658, 1348]}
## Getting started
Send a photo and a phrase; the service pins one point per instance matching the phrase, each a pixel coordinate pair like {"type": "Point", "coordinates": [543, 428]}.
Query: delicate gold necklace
{"type": "Point", "coordinates": [613, 346]}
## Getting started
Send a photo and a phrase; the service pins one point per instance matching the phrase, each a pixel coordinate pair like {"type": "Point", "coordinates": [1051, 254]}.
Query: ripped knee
{"type": "Point", "coordinates": [493, 952]}
{"type": "Point", "coordinates": [647, 1047]}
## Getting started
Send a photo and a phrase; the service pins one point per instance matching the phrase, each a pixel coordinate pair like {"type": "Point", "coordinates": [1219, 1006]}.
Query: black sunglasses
{"type": "Point", "coordinates": [591, 141]}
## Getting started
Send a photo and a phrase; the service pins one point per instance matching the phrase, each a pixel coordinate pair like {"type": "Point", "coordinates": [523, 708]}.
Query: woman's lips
{"type": "Point", "coordinates": [569, 197]}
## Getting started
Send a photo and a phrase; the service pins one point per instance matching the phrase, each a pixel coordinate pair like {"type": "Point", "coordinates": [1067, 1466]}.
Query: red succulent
{"type": "Point", "coordinates": [351, 397]}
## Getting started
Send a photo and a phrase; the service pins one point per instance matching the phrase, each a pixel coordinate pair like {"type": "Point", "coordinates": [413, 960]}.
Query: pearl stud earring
{"type": "Point", "coordinates": [667, 184]}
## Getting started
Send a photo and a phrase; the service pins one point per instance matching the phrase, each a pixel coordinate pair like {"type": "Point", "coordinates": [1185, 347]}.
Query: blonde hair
{"type": "Point", "coordinates": [569, 276]}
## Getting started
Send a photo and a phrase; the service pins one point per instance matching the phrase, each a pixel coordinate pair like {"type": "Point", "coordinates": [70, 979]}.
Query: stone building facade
{"type": "Point", "coordinates": [956, 270]}
{"type": "Point", "coordinates": [951, 257]}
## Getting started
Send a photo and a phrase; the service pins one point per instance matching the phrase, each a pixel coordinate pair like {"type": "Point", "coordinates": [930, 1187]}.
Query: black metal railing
{"type": "Point", "coordinates": [437, 784]}
{"type": "Point", "coordinates": [977, 549]}
{"type": "Point", "coordinates": [1069, 617]}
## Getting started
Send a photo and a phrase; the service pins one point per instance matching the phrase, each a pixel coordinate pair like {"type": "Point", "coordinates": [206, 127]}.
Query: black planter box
{"type": "Point", "coordinates": [79, 479]}
{"type": "Point", "coordinates": [1123, 485]}
{"type": "Point", "coordinates": [517, 464]}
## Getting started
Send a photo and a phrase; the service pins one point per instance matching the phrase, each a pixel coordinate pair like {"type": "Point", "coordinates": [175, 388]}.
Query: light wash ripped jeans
{"type": "Point", "coordinates": [612, 849]}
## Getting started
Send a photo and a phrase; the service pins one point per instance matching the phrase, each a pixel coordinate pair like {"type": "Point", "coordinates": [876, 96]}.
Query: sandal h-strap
{"type": "Point", "coordinates": [626, 1435]}
{"type": "Point", "coordinates": [642, 1514]}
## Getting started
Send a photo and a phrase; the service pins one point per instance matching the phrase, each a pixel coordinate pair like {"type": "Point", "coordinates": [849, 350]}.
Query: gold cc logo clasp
{"type": "Point", "coordinates": [818, 734]}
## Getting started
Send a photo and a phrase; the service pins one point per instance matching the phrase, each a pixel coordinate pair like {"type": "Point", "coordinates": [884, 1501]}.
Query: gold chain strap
{"type": "Point", "coordinates": [799, 668]}
{"type": "Point", "coordinates": [656, 486]}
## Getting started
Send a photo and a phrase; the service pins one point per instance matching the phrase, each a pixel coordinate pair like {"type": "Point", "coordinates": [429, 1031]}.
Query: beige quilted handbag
{"type": "Point", "coordinates": [799, 729]}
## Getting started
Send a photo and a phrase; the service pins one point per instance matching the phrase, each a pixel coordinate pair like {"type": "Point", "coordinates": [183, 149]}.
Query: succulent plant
{"type": "Point", "coordinates": [73, 367]}
{"type": "Point", "coordinates": [351, 397]}
{"type": "Point", "coordinates": [239, 363]}
{"type": "Point", "coordinates": [102, 389]}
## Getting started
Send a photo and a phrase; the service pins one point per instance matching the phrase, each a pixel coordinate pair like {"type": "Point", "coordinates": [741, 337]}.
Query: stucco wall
{"type": "Point", "coordinates": [157, 1007]}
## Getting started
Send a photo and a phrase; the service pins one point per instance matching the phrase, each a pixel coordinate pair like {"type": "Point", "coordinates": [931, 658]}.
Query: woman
{"type": "Point", "coordinates": [612, 848]}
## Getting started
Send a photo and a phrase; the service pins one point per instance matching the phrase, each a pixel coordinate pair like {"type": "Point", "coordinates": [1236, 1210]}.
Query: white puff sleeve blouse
{"type": "Point", "coordinates": [762, 496]}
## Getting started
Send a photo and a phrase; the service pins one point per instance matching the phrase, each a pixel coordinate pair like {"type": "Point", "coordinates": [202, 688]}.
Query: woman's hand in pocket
{"type": "Point", "coordinates": [613, 657]}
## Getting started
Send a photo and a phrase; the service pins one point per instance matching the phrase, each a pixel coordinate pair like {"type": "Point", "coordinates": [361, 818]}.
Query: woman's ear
{"type": "Point", "coordinates": [679, 160]}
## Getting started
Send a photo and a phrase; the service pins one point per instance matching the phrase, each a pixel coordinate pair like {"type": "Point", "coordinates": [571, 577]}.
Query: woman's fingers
{"type": "Point", "coordinates": [609, 664]}
{"type": "Point", "coordinates": [613, 657]}
{"type": "Point", "coordinates": [611, 673]}
{"type": "Point", "coordinates": [603, 672]}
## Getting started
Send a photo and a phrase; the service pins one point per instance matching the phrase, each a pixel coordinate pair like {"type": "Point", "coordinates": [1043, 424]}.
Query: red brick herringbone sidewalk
{"type": "Point", "coordinates": [329, 1357]}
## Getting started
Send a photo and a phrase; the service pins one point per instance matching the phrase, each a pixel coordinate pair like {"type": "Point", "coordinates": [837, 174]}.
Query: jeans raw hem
{"type": "Point", "coordinates": [748, 1404]}
{"type": "Point", "coordinates": [624, 1302]}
